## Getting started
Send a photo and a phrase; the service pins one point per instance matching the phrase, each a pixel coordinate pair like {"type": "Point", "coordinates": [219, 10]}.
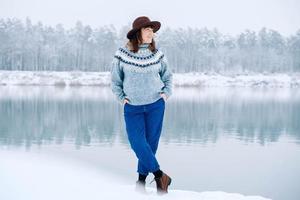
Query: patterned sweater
{"type": "Point", "coordinates": [140, 77]}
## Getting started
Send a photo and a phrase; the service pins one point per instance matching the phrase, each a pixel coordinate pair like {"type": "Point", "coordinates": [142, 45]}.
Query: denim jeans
{"type": "Point", "coordinates": [143, 127]}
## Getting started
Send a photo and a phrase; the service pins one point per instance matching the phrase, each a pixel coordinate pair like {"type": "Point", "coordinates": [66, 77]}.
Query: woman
{"type": "Point", "coordinates": [142, 82]}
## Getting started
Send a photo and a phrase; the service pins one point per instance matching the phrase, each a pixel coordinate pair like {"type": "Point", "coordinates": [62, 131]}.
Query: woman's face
{"type": "Point", "coordinates": [147, 34]}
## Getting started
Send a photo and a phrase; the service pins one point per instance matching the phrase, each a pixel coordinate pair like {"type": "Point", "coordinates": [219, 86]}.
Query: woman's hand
{"type": "Point", "coordinates": [164, 96]}
{"type": "Point", "coordinates": [125, 101]}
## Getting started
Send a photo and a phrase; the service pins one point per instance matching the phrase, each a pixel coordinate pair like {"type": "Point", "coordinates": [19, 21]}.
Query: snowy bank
{"type": "Point", "coordinates": [70, 78]}
{"type": "Point", "coordinates": [242, 80]}
{"type": "Point", "coordinates": [34, 176]}
{"type": "Point", "coordinates": [79, 78]}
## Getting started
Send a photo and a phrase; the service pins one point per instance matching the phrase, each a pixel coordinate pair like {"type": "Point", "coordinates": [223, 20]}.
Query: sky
{"type": "Point", "coordinates": [228, 16]}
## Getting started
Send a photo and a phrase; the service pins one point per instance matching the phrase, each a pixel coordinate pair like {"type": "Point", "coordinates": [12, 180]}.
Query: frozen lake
{"type": "Point", "coordinates": [236, 140]}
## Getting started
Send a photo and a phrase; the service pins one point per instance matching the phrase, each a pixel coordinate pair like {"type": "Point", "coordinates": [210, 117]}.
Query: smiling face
{"type": "Point", "coordinates": [147, 34]}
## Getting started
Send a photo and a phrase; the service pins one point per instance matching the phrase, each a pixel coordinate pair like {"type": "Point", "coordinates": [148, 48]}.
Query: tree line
{"type": "Point", "coordinates": [28, 46]}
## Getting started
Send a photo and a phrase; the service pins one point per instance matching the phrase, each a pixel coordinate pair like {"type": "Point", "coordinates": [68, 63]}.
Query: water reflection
{"type": "Point", "coordinates": [87, 115]}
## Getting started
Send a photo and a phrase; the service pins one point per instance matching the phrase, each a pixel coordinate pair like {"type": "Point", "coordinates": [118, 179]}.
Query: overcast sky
{"type": "Point", "coordinates": [229, 16]}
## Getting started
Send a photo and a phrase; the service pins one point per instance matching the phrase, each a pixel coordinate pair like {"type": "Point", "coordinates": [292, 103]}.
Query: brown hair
{"type": "Point", "coordinates": [133, 44]}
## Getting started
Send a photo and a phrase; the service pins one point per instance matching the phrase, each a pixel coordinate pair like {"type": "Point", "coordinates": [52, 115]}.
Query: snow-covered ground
{"type": "Point", "coordinates": [34, 176]}
{"type": "Point", "coordinates": [79, 78]}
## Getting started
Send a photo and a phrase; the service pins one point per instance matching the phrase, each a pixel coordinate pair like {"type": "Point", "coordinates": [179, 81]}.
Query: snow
{"type": "Point", "coordinates": [32, 175]}
{"type": "Point", "coordinates": [65, 78]}
{"type": "Point", "coordinates": [242, 80]}
{"type": "Point", "coordinates": [80, 78]}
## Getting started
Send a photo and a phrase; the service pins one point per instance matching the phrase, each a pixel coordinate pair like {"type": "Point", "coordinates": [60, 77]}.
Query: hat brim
{"type": "Point", "coordinates": [156, 26]}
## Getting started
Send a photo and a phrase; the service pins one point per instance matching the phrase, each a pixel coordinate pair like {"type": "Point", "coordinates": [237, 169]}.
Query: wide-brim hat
{"type": "Point", "coordinates": [141, 22]}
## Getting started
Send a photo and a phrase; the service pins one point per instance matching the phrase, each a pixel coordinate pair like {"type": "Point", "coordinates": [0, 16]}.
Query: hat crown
{"type": "Point", "coordinates": [140, 21]}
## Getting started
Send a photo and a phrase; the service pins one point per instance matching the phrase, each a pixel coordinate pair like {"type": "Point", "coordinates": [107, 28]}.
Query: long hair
{"type": "Point", "coordinates": [133, 44]}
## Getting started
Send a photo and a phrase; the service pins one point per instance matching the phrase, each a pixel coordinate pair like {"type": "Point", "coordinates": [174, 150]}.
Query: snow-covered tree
{"type": "Point", "coordinates": [38, 47]}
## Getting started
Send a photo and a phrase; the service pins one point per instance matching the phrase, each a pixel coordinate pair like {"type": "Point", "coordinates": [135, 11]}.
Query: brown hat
{"type": "Point", "coordinates": [140, 22]}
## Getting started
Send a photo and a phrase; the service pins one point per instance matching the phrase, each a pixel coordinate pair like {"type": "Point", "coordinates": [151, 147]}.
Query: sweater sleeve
{"type": "Point", "coordinates": [117, 77]}
{"type": "Point", "coordinates": [166, 77]}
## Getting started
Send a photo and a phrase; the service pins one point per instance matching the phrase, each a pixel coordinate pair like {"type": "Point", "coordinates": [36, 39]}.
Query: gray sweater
{"type": "Point", "coordinates": [140, 77]}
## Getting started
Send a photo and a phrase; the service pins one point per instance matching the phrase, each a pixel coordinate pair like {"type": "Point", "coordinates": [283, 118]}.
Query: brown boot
{"type": "Point", "coordinates": [162, 183]}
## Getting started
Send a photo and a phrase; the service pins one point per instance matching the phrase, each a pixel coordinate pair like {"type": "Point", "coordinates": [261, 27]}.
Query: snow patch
{"type": "Point", "coordinates": [34, 176]}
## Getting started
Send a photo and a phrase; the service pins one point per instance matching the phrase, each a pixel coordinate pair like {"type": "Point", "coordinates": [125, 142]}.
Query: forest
{"type": "Point", "coordinates": [36, 47]}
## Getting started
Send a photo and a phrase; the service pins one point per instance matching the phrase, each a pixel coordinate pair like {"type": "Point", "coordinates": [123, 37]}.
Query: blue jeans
{"type": "Point", "coordinates": [143, 127]}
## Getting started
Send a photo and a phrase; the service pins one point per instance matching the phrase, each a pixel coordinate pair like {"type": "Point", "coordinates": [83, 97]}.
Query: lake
{"type": "Point", "coordinates": [239, 140]}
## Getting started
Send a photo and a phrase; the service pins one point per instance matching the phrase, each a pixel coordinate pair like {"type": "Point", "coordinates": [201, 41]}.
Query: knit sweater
{"type": "Point", "coordinates": [140, 77]}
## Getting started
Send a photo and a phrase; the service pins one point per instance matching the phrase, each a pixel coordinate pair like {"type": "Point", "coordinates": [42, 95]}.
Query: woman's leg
{"type": "Point", "coordinates": [135, 127]}
{"type": "Point", "coordinates": [154, 122]}
{"type": "Point", "coordinates": [154, 114]}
